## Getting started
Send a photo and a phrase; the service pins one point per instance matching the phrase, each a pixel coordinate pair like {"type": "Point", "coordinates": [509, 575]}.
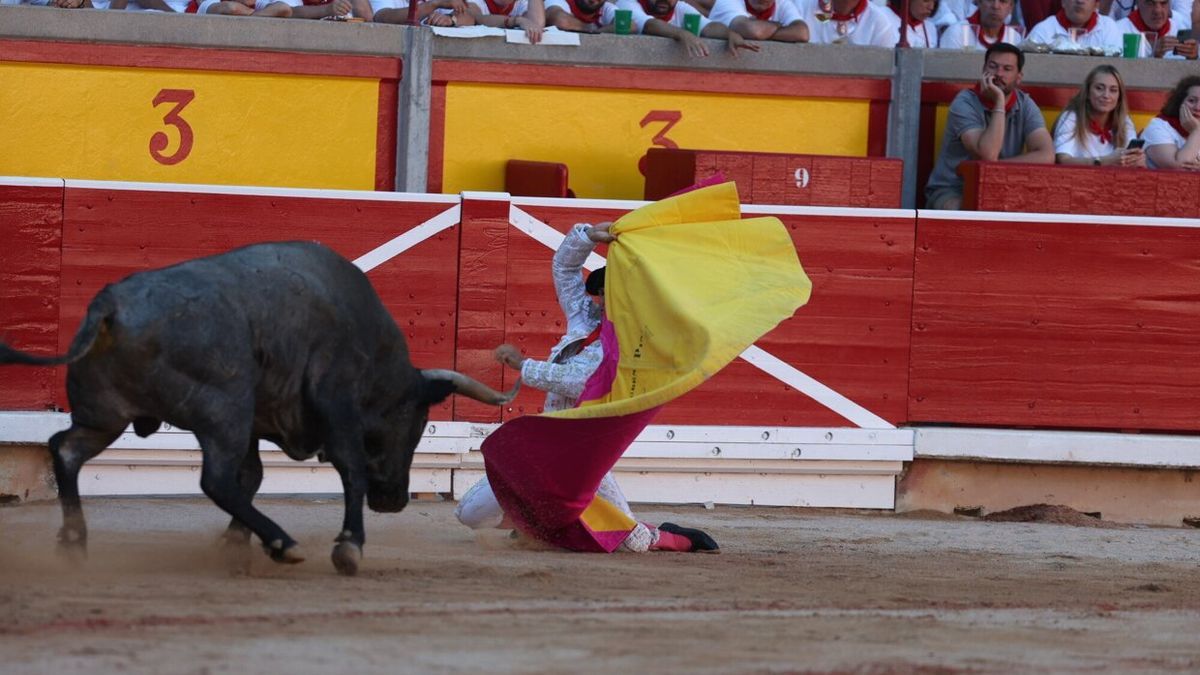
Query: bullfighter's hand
{"type": "Point", "coordinates": [600, 233]}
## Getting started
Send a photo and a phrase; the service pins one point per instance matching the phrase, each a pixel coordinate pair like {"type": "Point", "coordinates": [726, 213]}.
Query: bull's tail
{"type": "Point", "coordinates": [94, 325]}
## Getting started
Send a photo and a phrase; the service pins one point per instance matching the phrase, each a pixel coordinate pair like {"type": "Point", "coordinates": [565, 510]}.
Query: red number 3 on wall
{"type": "Point", "coordinates": [160, 140]}
{"type": "Point", "coordinates": [668, 118]}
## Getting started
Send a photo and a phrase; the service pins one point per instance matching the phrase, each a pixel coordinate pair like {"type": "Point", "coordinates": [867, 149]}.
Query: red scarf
{"type": "Point", "coordinates": [1066, 23]}
{"type": "Point", "coordinates": [1106, 135]}
{"type": "Point", "coordinates": [193, 7]}
{"type": "Point", "coordinates": [912, 23]}
{"type": "Point", "coordinates": [1174, 122]}
{"type": "Point", "coordinates": [646, 8]}
{"type": "Point", "coordinates": [764, 15]}
{"type": "Point", "coordinates": [583, 16]}
{"type": "Point", "coordinates": [854, 14]}
{"type": "Point", "coordinates": [502, 10]}
{"type": "Point", "coordinates": [979, 34]}
{"type": "Point", "coordinates": [1008, 105]}
{"type": "Point", "coordinates": [1135, 17]}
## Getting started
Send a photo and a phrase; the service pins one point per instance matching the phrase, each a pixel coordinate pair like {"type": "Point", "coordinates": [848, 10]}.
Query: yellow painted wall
{"type": "Point", "coordinates": [247, 128]}
{"type": "Point", "coordinates": [598, 133]}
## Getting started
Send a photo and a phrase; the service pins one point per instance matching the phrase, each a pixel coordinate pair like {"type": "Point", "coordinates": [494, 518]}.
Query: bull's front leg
{"type": "Point", "coordinates": [350, 462]}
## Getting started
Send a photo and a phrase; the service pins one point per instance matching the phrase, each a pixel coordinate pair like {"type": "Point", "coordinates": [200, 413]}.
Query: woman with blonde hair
{"type": "Point", "coordinates": [1095, 127]}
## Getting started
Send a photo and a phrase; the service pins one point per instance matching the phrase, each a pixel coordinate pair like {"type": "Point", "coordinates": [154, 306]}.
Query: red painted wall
{"type": "Point", "coordinates": [31, 232]}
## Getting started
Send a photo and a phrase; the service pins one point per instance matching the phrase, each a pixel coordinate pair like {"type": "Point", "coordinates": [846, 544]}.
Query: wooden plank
{"type": "Point", "coordinates": [482, 263]}
{"type": "Point", "coordinates": [1058, 325]}
{"type": "Point", "coordinates": [31, 229]}
{"type": "Point", "coordinates": [114, 232]}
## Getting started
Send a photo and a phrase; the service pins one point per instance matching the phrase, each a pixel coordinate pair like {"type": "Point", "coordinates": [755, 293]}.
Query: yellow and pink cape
{"type": "Point", "coordinates": [689, 285]}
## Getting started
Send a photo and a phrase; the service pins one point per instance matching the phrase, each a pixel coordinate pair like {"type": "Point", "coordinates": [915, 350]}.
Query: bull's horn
{"type": "Point", "coordinates": [472, 388]}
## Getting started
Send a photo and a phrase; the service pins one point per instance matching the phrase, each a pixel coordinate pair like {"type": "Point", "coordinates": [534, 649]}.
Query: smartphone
{"type": "Point", "coordinates": [1184, 35]}
{"type": "Point", "coordinates": [1136, 144]}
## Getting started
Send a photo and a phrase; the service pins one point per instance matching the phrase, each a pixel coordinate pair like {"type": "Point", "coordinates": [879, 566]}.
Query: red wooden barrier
{"type": "Point", "coordinates": [31, 231]}
{"type": "Point", "coordinates": [1050, 188]}
{"type": "Point", "coordinates": [111, 232]}
{"type": "Point", "coordinates": [774, 178]}
{"type": "Point", "coordinates": [1055, 322]}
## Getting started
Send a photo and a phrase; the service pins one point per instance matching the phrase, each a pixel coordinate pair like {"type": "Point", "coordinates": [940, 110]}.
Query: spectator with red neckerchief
{"type": "Point", "coordinates": [433, 12]}
{"type": "Point", "coordinates": [855, 22]}
{"type": "Point", "coordinates": [1082, 17]}
{"type": "Point", "coordinates": [986, 27]}
{"type": "Point", "coordinates": [665, 18]}
{"type": "Point", "coordinates": [777, 20]}
{"type": "Point", "coordinates": [507, 14]}
{"type": "Point", "coordinates": [922, 33]}
{"type": "Point", "coordinates": [1101, 138]}
{"type": "Point", "coordinates": [1171, 138]}
{"type": "Point", "coordinates": [332, 9]}
{"type": "Point", "coordinates": [581, 16]}
{"type": "Point", "coordinates": [264, 8]}
{"type": "Point", "coordinates": [995, 121]}
{"type": "Point", "coordinates": [1154, 16]}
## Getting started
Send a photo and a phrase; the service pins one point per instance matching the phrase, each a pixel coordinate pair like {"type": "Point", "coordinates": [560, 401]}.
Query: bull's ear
{"type": "Point", "coordinates": [436, 391]}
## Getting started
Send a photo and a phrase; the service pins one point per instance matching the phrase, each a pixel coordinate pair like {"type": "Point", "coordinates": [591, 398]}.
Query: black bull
{"type": "Point", "coordinates": [282, 341]}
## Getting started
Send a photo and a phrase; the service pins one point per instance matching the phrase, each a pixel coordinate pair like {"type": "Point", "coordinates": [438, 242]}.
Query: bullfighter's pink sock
{"type": "Point", "coordinates": [671, 542]}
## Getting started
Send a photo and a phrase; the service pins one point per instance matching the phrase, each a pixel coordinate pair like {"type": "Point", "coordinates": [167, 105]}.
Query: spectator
{"type": "Point", "coordinates": [666, 18]}
{"type": "Point", "coordinates": [1033, 12]}
{"type": "Point", "coordinates": [1102, 139]}
{"type": "Point", "coordinates": [994, 121]}
{"type": "Point", "coordinates": [268, 8]}
{"type": "Point", "coordinates": [320, 9]}
{"type": "Point", "coordinates": [777, 20]}
{"type": "Point", "coordinates": [396, 11]}
{"type": "Point", "coordinates": [581, 16]}
{"type": "Point", "coordinates": [856, 22]}
{"type": "Point", "coordinates": [950, 12]}
{"type": "Point", "coordinates": [1078, 21]}
{"type": "Point", "coordinates": [1154, 17]}
{"type": "Point", "coordinates": [507, 14]}
{"type": "Point", "coordinates": [922, 33]}
{"type": "Point", "coordinates": [986, 27]}
{"type": "Point", "coordinates": [1171, 141]}
{"type": "Point", "coordinates": [1181, 11]}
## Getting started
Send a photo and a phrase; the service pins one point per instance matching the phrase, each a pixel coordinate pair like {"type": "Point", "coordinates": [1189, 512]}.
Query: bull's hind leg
{"type": "Point", "coordinates": [224, 458]}
{"type": "Point", "coordinates": [236, 540]}
{"type": "Point", "coordinates": [68, 451]}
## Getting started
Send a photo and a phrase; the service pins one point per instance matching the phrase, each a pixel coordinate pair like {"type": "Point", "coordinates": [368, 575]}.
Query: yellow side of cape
{"type": "Point", "coordinates": [690, 285]}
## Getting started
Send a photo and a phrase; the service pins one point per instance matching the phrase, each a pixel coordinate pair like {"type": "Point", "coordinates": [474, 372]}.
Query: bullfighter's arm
{"type": "Point", "coordinates": [567, 269]}
{"type": "Point", "coordinates": [566, 379]}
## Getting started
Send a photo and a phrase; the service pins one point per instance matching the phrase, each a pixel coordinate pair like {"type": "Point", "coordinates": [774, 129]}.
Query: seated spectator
{"type": "Point", "coordinates": [1101, 139]}
{"type": "Point", "coordinates": [1171, 138]}
{"type": "Point", "coordinates": [1083, 19]}
{"type": "Point", "coordinates": [1154, 17]}
{"type": "Point", "coordinates": [320, 9]}
{"type": "Point", "coordinates": [855, 22]}
{"type": "Point", "coordinates": [396, 11]}
{"type": "Point", "coordinates": [268, 8]}
{"type": "Point", "coordinates": [950, 12]}
{"type": "Point", "coordinates": [581, 16]}
{"type": "Point", "coordinates": [777, 20]}
{"type": "Point", "coordinates": [1033, 12]}
{"type": "Point", "coordinates": [922, 33]}
{"type": "Point", "coordinates": [1181, 11]}
{"type": "Point", "coordinates": [986, 27]}
{"type": "Point", "coordinates": [666, 18]}
{"type": "Point", "coordinates": [993, 121]}
{"type": "Point", "coordinates": [510, 14]}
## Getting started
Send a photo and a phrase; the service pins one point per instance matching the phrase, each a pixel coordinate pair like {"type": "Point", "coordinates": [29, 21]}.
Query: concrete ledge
{"type": "Point", "coordinates": [1057, 69]}
{"type": "Point", "coordinates": [26, 474]}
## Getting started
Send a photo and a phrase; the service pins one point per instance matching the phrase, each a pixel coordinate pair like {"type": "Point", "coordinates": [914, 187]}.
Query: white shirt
{"type": "Point", "coordinates": [608, 11]}
{"type": "Point", "coordinates": [1160, 132]}
{"type": "Point", "coordinates": [924, 36]}
{"type": "Point", "coordinates": [725, 11]}
{"type": "Point", "coordinates": [1146, 51]}
{"type": "Point", "coordinates": [1065, 142]}
{"type": "Point", "coordinates": [872, 28]}
{"type": "Point", "coordinates": [1181, 11]}
{"type": "Point", "coordinates": [963, 35]}
{"type": "Point", "coordinates": [950, 12]}
{"type": "Point", "coordinates": [1104, 35]}
{"type": "Point", "coordinates": [520, 7]}
{"type": "Point", "coordinates": [640, 17]}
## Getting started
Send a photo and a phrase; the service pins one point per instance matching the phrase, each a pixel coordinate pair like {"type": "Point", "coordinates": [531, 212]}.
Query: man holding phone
{"type": "Point", "coordinates": [993, 121]}
{"type": "Point", "coordinates": [1153, 18]}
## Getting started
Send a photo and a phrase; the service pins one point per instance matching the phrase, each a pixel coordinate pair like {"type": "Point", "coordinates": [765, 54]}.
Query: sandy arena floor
{"type": "Point", "coordinates": [792, 591]}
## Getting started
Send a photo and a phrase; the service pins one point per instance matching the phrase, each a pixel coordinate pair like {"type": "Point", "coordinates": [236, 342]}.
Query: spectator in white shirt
{"type": "Point", "coordinates": [666, 18]}
{"type": "Point", "coordinates": [1082, 19]}
{"type": "Point", "coordinates": [777, 20]}
{"type": "Point", "coordinates": [986, 27]}
{"type": "Point", "coordinates": [922, 33]}
{"type": "Point", "coordinates": [1171, 138]}
{"type": "Point", "coordinates": [507, 14]}
{"type": "Point", "coordinates": [454, 12]}
{"type": "Point", "coordinates": [1154, 18]}
{"type": "Point", "coordinates": [854, 22]}
{"type": "Point", "coordinates": [1095, 127]}
{"type": "Point", "coordinates": [581, 16]}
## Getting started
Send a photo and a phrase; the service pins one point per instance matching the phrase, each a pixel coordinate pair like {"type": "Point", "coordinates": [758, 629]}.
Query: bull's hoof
{"type": "Point", "coordinates": [288, 555]}
{"type": "Point", "coordinates": [346, 556]}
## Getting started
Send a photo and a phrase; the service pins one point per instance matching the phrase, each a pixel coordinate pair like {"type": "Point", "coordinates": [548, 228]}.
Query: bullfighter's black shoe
{"type": "Point", "coordinates": [701, 542]}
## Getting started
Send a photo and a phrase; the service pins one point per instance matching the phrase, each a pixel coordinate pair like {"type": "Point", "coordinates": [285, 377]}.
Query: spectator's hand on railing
{"type": "Point", "coordinates": [693, 45]}
{"type": "Point", "coordinates": [441, 20]}
{"type": "Point", "coordinates": [66, 4]}
{"type": "Point", "coordinates": [532, 30]}
{"type": "Point", "coordinates": [735, 41]}
{"type": "Point", "coordinates": [338, 8]}
{"type": "Point", "coordinates": [459, 7]}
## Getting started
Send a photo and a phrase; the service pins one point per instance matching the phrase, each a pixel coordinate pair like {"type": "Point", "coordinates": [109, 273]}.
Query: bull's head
{"type": "Point", "coordinates": [390, 448]}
